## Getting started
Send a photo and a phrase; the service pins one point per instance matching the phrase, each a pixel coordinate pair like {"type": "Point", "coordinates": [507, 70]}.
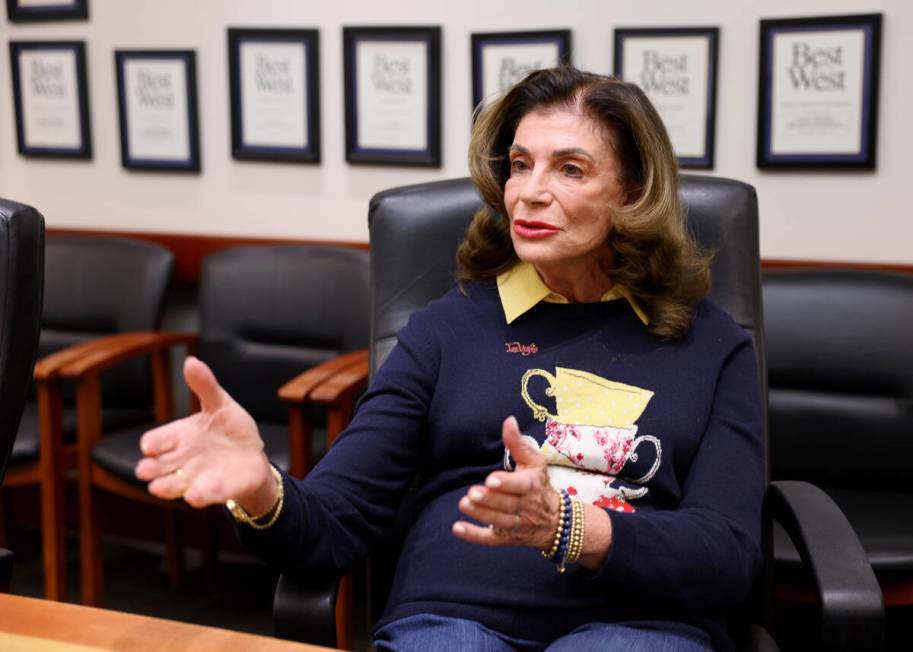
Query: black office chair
{"type": "Point", "coordinates": [267, 314]}
{"type": "Point", "coordinates": [414, 234]}
{"type": "Point", "coordinates": [95, 287]}
{"type": "Point", "coordinates": [840, 358]}
{"type": "Point", "coordinates": [21, 288]}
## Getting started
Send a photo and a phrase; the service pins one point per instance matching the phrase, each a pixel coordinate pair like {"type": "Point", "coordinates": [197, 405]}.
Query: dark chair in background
{"type": "Point", "coordinates": [268, 314]}
{"type": "Point", "coordinates": [840, 360]}
{"type": "Point", "coordinates": [414, 233]}
{"type": "Point", "coordinates": [21, 287]}
{"type": "Point", "coordinates": [94, 287]}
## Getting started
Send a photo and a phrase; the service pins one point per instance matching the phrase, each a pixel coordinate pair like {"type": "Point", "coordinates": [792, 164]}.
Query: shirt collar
{"type": "Point", "coordinates": [521, 288]}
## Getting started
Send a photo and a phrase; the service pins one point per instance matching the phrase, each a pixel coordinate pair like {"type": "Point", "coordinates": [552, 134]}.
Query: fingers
{"type": "Point", "coordinates": [170, 486]}
{"type": "Point", "coordinates": [161, 449]}
{"type": "Point", "coordinates": [496, 518]}
{"type": "Point", "coordinates": [500, 510]}
{"type": "Point", "coordinates": [485, 536]}
{"type": "Point", "coordinates": [524, 454]}
{"type": "Point", "coordinates": [491, 499]}
{"type": "Point", "coordinates": [160, 440]}
{"type": "Point", "coordinates": [517, 483]}
{"type": "Point", "coordinates": [203, 383]}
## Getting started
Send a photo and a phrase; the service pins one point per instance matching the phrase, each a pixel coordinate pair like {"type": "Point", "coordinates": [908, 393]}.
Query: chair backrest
{"type": "Point", "coordinates": [415, 230]}
{"type": "Point", "coordinates": [96, 286]}
{"type": "Point", "coordinates": [267, 313]}
{"type": "Point", "coordinates": [21, 287]}
{"type": "Point", "coordinates": [840, 358]}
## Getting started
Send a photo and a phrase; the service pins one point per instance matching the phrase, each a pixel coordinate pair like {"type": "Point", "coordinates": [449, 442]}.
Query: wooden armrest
{"type": "Point", "coordinates": [351, 379]}
{"type": "Point", "coordinates": [299, 388]}
{"type": "Point", "coordinates": [119, 348]}
{"type": "Point", "coordinates": [48, 367]}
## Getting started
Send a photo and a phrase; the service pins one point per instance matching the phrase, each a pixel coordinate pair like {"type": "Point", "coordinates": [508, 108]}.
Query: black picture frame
{"type": "Point", "coordinates": [53, 82]}
{"type": "Point", "coordinates": [666, 79]}
{"type": "Point", "coordinates": [276, 80]}
{"type": "Point", "coordinates": [358, 152]}
{"type": "Point", "coordinates": [479, 41]}
{"type": "Point", "coordinates": [17, 11]}
{"type": "Point", "coordinates": [159, 95]}
{"type": "Point", "coordinates": [799, 130]}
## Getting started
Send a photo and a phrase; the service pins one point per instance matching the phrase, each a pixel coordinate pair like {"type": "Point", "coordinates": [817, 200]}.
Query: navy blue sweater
{"type": "Point", "coordinates": [686, 549]}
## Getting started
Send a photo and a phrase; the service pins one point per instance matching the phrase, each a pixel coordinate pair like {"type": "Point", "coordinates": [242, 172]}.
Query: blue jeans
{"type": "Point", "coordinates": [427, 632]}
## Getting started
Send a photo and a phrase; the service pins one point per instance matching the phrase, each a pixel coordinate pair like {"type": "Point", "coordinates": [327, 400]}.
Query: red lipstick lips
{"type": "Point", "coordinates": [531, 229]}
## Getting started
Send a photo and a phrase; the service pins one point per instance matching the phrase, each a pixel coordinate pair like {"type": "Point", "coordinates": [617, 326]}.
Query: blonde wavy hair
{"type": "Point", "coordinates": [655, 257]}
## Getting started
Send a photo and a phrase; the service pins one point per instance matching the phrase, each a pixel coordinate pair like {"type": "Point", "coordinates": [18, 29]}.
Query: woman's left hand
{"type": "Point", "coordinates": [518, 508]}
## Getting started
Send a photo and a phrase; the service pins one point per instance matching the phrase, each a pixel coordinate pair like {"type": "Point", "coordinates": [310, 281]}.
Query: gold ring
{"type": "Point", "coordinates": [516, 522]}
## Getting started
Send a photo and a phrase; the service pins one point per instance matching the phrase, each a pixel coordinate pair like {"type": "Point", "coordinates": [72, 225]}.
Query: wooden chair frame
{"type": "Point", "coordinates": [328, 384]}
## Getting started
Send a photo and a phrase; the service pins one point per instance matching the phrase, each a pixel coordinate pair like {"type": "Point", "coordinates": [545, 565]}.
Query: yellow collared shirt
{"type": "Point", "coordinates": [521, 288]}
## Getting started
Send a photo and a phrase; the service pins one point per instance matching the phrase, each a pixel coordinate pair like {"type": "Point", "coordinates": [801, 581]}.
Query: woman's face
{"type": "Point", "coordinates": [564, 177]}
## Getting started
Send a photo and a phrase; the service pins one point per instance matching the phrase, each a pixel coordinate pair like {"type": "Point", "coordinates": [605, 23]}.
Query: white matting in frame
{"type": "Point", "coordinates": [676, 69]}
{"type": "Point", "coordinates": [50, 99]}
{"type": "Point", "coordinates": [392, 101]}
{"type": "Point", "coordinates": [273, 110]}
{"type": "Point", "coordinates": [501, 59]}
{"type": "Point", "coordinates": [829, 120]}
{"type": "Point", "coordinates": [157, 109]}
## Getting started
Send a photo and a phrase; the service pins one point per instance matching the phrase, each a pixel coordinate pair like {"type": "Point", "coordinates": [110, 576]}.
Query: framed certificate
{"type": "Point", "coordinates": [501, 59]}
{"type": "Point", "coordinates": [393, 95]}
{"type": "Point", "coordinates": [157, 106]}
{"type": "Point", "coordinates": [818, 92]}
{"type": "Point", "coordinates": [275, 103]}
{"type": "Point", "coordinates": [677, 69]}
{"type": "Point", "coordinates": [33, 10]}
{"type": "Point", "coordinates": [51, 98]}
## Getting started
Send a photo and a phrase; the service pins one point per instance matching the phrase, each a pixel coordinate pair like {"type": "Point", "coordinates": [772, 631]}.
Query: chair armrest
{"type": "Point", "coordinates": [115, 349]}
{"type": "Point", "coordinates": [852, 609]}
{"type": "Point", "coordinates": [306, 611]}
{"type": "Point", "coordinates": [6, 570]}
{"type": "Point", "coordinates": [341, 386]}
{"type": "Point", "coordinates": [298, 389]}
{"type": "Point", "coordinates": [48, 367]}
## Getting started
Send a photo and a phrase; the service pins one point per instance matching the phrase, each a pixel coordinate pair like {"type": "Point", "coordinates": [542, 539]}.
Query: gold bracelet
{"type": "Point", "coordinates": [240, 514]}
{"type": "Point", "coordinates": [576, 545]}
{"type": "Point", "coordinates": [557, 542]}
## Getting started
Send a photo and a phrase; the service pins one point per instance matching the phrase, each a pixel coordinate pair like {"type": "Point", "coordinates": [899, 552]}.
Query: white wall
{"type": "Point", "coordinates": [849, 216]}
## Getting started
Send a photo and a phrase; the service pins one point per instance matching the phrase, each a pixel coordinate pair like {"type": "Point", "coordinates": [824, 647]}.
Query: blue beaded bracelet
{"type": "Point", "coordinates": [565, 524]}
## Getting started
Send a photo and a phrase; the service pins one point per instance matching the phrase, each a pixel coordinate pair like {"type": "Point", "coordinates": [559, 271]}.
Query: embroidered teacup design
{"type": "Point", "coordinates": [587, 399]}
{"type": "Point", "coordinates": [602, 449]}
{"type": "Point", "coordinates": [592, 436]}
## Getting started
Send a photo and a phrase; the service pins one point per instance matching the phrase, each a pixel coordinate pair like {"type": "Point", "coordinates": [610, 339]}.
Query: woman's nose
{"type": "Point", "coordinates": [535, 188]}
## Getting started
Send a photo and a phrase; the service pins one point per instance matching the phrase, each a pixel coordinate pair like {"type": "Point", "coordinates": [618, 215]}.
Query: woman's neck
{"type": "Point", "coordinates": [578, 284]}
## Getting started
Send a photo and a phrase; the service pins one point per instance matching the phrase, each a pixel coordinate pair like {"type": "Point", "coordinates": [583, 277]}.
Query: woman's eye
{"type": "Point", "coordinates": [572, 170]}
{"type": "Point", "coordinates": [517, 165]}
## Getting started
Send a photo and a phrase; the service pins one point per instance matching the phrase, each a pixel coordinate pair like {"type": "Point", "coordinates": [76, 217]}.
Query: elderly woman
{"type": "Point", "coordinates": [617, 506]}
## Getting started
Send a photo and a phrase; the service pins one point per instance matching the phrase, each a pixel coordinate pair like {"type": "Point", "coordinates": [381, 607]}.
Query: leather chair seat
{"type": "Point", "coordinates": [119, 452]}
{"type": "Point", "coordinates": [883, 522]}
{"type": "Point", "coordinates": [25, 449]}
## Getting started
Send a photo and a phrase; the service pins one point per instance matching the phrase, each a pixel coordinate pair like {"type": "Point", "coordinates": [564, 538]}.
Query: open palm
{"type": "Point", "coordinates": [208, 457]}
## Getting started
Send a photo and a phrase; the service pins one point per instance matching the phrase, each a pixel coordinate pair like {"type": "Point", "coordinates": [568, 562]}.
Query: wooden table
{"type": "Point", "coordinates": [46, 626]}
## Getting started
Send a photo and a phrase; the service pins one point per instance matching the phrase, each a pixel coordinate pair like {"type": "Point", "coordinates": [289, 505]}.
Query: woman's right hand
{"type": "Point", "coordinates": [210, 456]}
